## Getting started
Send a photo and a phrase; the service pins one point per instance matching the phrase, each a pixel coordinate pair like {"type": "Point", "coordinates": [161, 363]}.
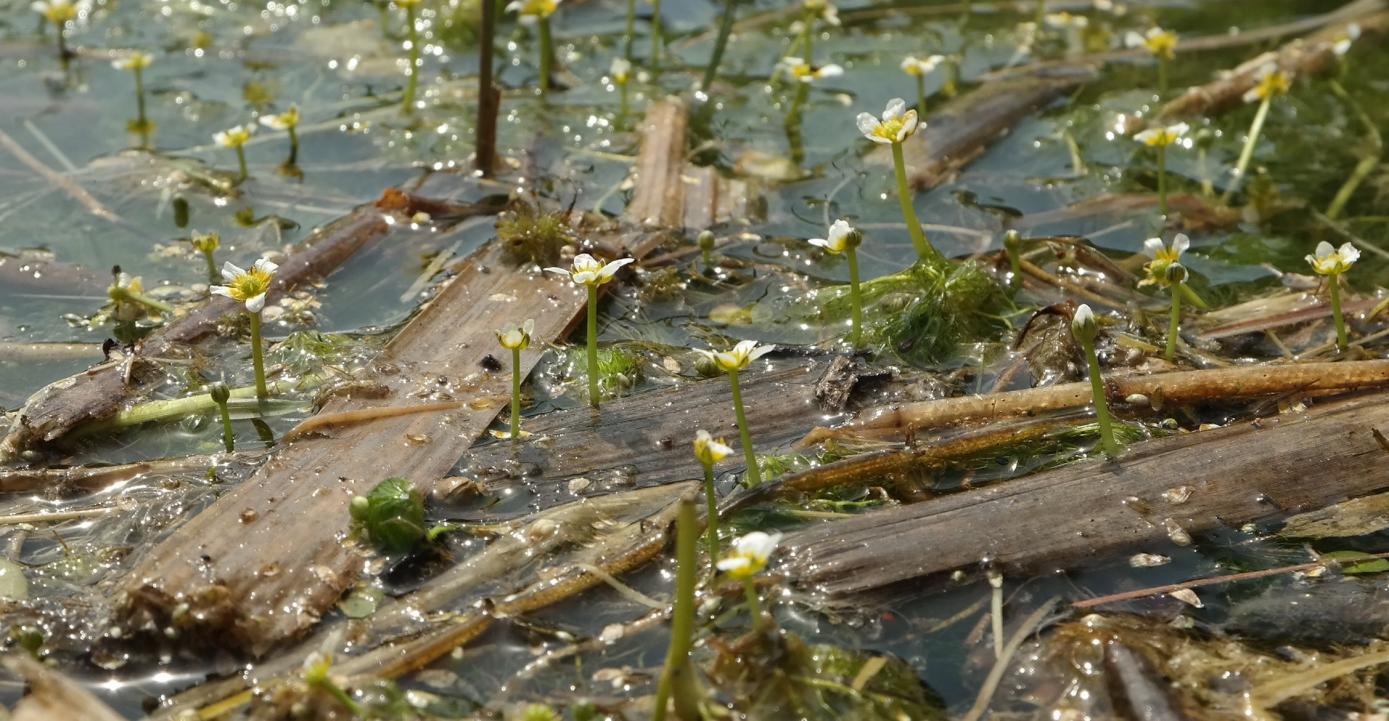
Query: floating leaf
{"type": "Point", "coordinates": [392, 515]}
{"type": "Point", "coordinates": [1355, 563]}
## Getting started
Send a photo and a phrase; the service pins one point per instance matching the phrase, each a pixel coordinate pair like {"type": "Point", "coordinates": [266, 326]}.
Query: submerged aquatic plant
{"type": "Point", "coordinates": [1331, 262]}
{"type": "Point", "coordinates": [720, 45]}
{"type": "Point", "coordinates": [207, 244]}
{"type": "Point", "coordinates": [249, 287]}
{"type": "Point", "coordinates": [1084, 327]}
{"type": "Point", "coordinates": [236, 138]}
{"type": "Point", "coordinates": [516, 339]}
{"type": "Point", "coordinates": [893, 128]}
{"type": "Point", "coordinates": [136, 63]}
{"type": "Point", "coordinates": [412, 34]}
{"type": "Point", "coordinates": [1273, 82]}
{"type": "Point", "coordinates": [589, 272]}
{"type": "Point", "coordinates": [710, 450]}
{"type": "Point", "coordinates": [221, 394]}
{"type": "Point", "coordinates": [317, 674]}
{"type": "Point", "coordinates": [731, 362]}
{"type": "Point", "coordinates": [919, 68]}
{"type": "Point", "coordinates": [844, 239]}
{"type": "Point", "coordinates": [60, 14]}
{"type": "Point", "coordinates": [1158, 139]}
{"type": "Point", "coordinates": [537, 13]}
{"type": "Point", "coordinates": [1166, 271]}
{"type": "Point", "coordinates": [287, 121]}
{"type": "Point", "coordinates": [1161, 44]}
{"type": "Point", "coordinates": [747, 559]}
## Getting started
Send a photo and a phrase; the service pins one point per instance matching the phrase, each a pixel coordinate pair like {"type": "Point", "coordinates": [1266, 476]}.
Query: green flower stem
{"type": "Point", "coordinates": [164, 410]}
{"type": "Point", "coordinates": [682, 622]}
{"type": "Point", "coordinates": [258, 358]}
{"type": "Point", "coordinates": [593, 346]}
{"type": "Point", "coordinates": [754, 474]}
{"type": "Point", "coordinates": [140, 97]}
{"type": "Point", "coordinates": [407, 103]}
{"type": "Point", "coordinates": [1247, 153]}
{"type": "Point", "coordinates": [341, 696]}
{"type": "Point", "coordinates": [1162, 76]}
{"type": "Point", "coordinates": [1162, 179]}
{"type": "Point", "coordinates": [212, 275]}
{"type": "Point", "coordinates": [711, 523]}
{"type": "Point", "coordinates": [754, 603]}
{"type": "Point", "coordinates": [1368, 162]}
{"type": "Point", "coordinates": [547, 54]}
{"type": "Point", "coordinates": [294, 145]}
{"type": "Point", "coordinates": [720, 44]}
{"type": "Point", "coordinates": [1111, 447]}
{"type": "Point", "coordinates": [924, 251]}
{"type": "Point", "coordinates": [855, 298]}
{"type": "Point", "coordinates": [515, 394]}
{"type": "Point", "coordinates": [228, 437]}
{"type": "Point", "coordinates": [921, 95]}
{"type": "Point", "coordinates": [1174, 324]}
{"type": "Point", "coordinates": [631, 30]}
{"type": "Point", "coordinates": [1193, 298]}
{"type": "Point", "coordinates": [1012, 244]}
{"type": "Point", "coordinates": [655, 34]}
{"type": "Point", "coordinates": [1203, 166]}
{"type": "Point", "coordinates": [241, 162]}
{"type": "Point", "coordinates": [808, 37]}
{"type": "Point", "coordinates": [1334, 280]}
{"type": "Point", "coordinates": [623, 108]}
{"type": "Point", "coordinates": [133, 297]}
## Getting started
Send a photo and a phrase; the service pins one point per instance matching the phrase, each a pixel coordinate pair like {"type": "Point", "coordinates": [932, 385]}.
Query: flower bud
{"type": "Point", "coordinates": [219, 392]}
{"type": "Point", "coordinates": [1083, 324]}
{"type": "Point", "coordinates": [706, 240]}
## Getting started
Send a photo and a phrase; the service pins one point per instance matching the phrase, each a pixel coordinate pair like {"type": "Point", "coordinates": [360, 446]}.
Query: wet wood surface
{"type": "Point", "coordinates": [1198, 482]}
{"type": "Point", "coordinates": [250, 568]}
{"type": "Point", "coordinates": [53, 696]}
{"type": "Point", "coordinates": [100, 392]}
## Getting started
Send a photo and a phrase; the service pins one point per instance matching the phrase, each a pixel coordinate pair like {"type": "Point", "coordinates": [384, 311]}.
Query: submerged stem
{"type": "Point", "coordinates": [1247, 153]}
{"type": "Point", "coordinates": [921, 95]}
{"type": "Point", "coordinates": [258, 358]}
{"type": "Point", "coordinates": [593, 345]}
{"type": "Point", "coordinates": [293, 146]}
{"type": "Point", "coordinates": [515, 394]}
{"type": "Point", "coordinates": [720, 44]}
{"type": "Point", "coordinates": [241, 162]}
{"type": "Point", "coordinates": [753, 475]}
{"type": "Point", "coordinates": [924, 251]}
{"type": "Point", "coordinates": [140, 96]}
{"type": "Point", "coordinates": [855, 298]}
{"type": "Point", "coordinates": [1173, 325]}
{"type": "Point", "coordinates": [1162, 76]}
{"type": "Point", "coordinates": [1162, 179]}
{"type": "Point", "coordinates": [1334, 280]}
{"type": "Point", "coordinates": [754, 602]}
{"type": "Point", "coordinates": [655, 34]}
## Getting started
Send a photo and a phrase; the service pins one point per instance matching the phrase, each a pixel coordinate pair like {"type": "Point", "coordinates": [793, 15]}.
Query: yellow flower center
{"type": "Point", "coordinates": [253, 283]}
{"type": "Point", "coordinates": [60, 13]}
{"type": "Point", "coordinates": [890, 128]}
{"type": "Point", "coordinates": [1163, 44]}
{"type": "Point", "coordinates": [1275, 83]}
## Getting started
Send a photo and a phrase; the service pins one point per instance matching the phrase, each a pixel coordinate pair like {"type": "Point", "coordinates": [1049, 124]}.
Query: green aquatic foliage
{"type": "Point", "coordinates": [391, 516]}
{"type": "Point", "coordinates": [529, 235]}
{"type": "Point", "coordinates": [619, 368]}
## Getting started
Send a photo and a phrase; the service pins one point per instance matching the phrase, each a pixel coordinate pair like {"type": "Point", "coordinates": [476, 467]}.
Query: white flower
{"type": "Point", "coordinates": [749, 554]}
{"type": "Point", "coordinates": [1083, 324]}
{"type": "Point", "coordinates": [620, 71]}
{"type": "Point", "coordinates": [1343, 43]}
{"type": "Point", "coordinates": [708, 449]}
{"type": "Point", "coordinates": [915, 66]}
{"type": "Point", "coordinates": [516, 337]}
{"type": "Point", "coordinates": [841, 237]}
{"type": "Point", "coordinates": [247, 286]}
{"type": "Point", "coordinates": [1067, 21]}
{"type": "Point", "coordinates": [823, 9]}
{"type": "Point", "coordinates": [1333, 261]}
{"type": "Point", "coordinates": [1160, 43]}
{"type": "Point", "coordinates": [531, 11]}
{"type": "Point", "coordinates": [802, 71]}
{"type": "Point", "coordinates": [234, 137]}
{"type": "Point", "coordinates": [1161, 136]}
{"type": "Point", "coordinates": [1272, 81]}
{"type": "Point", "coordinates": [282, 121]}
{"type": "Point", "coordinates": [897, 123]}
{"type": "Point", "coordinates": [61, 12]}
{"type": "Point", "coordinates": [134, 61]}
{"type": "Point", "coordinates": [739, 358]}
{"type": "Point", "coordinates": [1163, 256]}
{"type": "Point", "coordinates": [123, 308]}
{"type": "Point", "coordinates": [588, 270]}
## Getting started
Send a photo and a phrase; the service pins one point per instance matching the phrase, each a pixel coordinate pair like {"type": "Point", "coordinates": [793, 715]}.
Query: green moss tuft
{"type": "Point", "coordinates": [530, 236]}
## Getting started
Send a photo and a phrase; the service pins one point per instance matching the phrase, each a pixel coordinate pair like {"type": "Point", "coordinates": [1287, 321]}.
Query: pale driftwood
{"type": "Point", "coordinates": [963, 128]}
{"type": "Point", "coordinates": [1157, 389]}
{"type": "Point", "coordinates": [1305, 56]}
{"type": "Point", "coordinates": [1236, 474]}
{"type": "Point", "coordinates": [100, 392]}
{"type": "Point", "coordinates": [644, 439]}
{"type": "Point", "coordinates": [251, 570]}
{"type": "Point", "coordinates": [53, 696]}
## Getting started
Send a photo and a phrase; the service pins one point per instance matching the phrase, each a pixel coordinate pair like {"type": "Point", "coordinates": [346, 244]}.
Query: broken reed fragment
{"type": "Point", "coordinates": [1084, 327]}
{"type": "Point", "coordinates": [249, 287]}
{"type": "Point", "coordinates": [709, 450]}
{"type": "Point", "coordinates": [896, 124]}
{"type": "Point", "coordinates": [516, 339]}
{"type": "Point", "coordinates": [739, 358]}
{"type": "Point", "coordinates": [537, 13]}
{"type": "Point", "coordinates": [844, 239]}
{"type": "Point", "coordinates": [591, 273]}
{"type": "Point", "coordinates": [1330, 262]}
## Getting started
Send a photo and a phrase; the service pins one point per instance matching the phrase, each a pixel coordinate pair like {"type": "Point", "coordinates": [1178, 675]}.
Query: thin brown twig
{"type": "Point", "coordinates": [59, 180]}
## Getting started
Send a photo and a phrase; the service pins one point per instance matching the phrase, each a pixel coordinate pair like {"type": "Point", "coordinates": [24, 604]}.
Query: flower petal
{"type": "Point", "coordinates": [224, 290]}
{"type": "Point", "coordinates": [1152, 246]}
{"type": "Point", "coordinates": [255, 303]}
{"type": "Point", "coordinates": [895, 107]}
{"type": "Point", "coordinates": [266, 266]}
{"type": "Point", "coordinates": [231, 272]}
{"type": "Point", "coordinates": [1325, 249]}
{"type": "Point", "coordinates": [1180, 244]}
{"type": "Point", "coordinates": [867, 124]}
